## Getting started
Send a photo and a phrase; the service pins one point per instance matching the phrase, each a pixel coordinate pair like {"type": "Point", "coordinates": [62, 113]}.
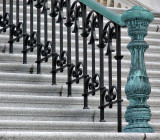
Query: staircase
{"type": "Point", "coordinates": [31, 108]}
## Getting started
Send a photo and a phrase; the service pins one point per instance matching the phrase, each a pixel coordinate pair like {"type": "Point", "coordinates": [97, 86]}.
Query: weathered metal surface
{"type": "Point", "coordinates": [137, 87]}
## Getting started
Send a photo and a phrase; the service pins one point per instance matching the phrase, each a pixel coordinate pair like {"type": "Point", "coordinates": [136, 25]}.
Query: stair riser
{"type": "Point", "coordinates": [76, 136]}
{"type": "Point", "coordinates": [48, 115]}
{"type": "Point", "coordinates": [22, 79]}
{"type": "Point", "coordinates": [62, 104]}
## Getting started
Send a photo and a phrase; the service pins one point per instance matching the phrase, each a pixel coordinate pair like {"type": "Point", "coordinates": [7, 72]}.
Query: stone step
{"type": "Point", "coordinates": [77, 135]}
{"type": "Point", "coordinates": [12, 78]}
{"type": "Point", "coordinates": [54, 90]}
{"type": "Point", "coordinates": [32, 101]}
{"type": "Point", "coordinates": [52, 126]}
{"type": "Point", "coordinates": [56, 126]}
{"type": "Point", "coordinates": [73, 115]}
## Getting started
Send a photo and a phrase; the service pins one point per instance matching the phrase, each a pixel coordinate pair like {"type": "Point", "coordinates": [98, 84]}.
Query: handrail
{"type": "Point", "coordinates": [94, 5]}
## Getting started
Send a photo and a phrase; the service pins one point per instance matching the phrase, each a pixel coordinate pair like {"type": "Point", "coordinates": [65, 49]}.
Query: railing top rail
{"type": "Point", "coordinates": [94, 5]}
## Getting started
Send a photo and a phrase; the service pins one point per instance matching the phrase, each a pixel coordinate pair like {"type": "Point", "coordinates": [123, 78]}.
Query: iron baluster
{"type": "Point", "coordinates": [44, 11]}
{"type": "Point", "coordinates": [76, 30]}
{"type": "Point", "coordinates": [84, 35]}
{"type": "Point", "coordinates": [68, 25]}
{"type": "Point", "coordinates": [75, 13]}
{"type": "Point", "coordinates": [24, 31]}
{"type": "Point", "coordinates": [4, 7]}
{"type": "Point", "coordinates": [92, 41]}
{"type": "Point", "coordinates": [30, 2]}
{"type": "Point", "coordinates": [39, 45]}
{"type": "Point", "coordinates": [119, 57]}
{"type": "Point", "coordinates": [60, 21]}
{"type": "Point", "coordinates": [17, 12]}
{"type": "Point", "coordinates": [11, 27]}
{"type": "Point", "coordinates": [109, 34]}
{"type": "Point", "coordinates": [53, 14]}
{"type": "Point", "coordinates": [101, 48]}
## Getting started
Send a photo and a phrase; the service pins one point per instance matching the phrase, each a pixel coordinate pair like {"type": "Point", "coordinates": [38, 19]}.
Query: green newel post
{"type": "Point", "coordinates": [137, 88]}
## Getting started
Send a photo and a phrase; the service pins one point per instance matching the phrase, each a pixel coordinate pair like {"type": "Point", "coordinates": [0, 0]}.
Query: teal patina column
{"type": "Point", "coordinates": [137, 88]}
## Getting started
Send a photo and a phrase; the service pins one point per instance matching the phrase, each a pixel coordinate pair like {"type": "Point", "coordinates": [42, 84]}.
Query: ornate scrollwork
{"type": "Point", "coordinates": [46, 50]}
{"type": "Point", "coordinates": [16, 31]}
{"type": "Point", "coordinates": [39, 4]}
{"type": "Point", "coordinates": [91, 24]}
{"type": "Point", "coordinates": [4, 22]}
{"type": "Point", "coordinates": [30, 1]}
{"type": "Point", "coordinates": [32, 41]}
{"type": "Point", "coordinates": [58, 9]}
{"type": "Point", "coordinates": [111, 96]}
{"type": "Point", "coordinates": [75, 14]}
{"type": "Point", "coordinates": [60, 60]}
{"type": "Point", "coordinates": [93, 84]}
{"type": "Point", "coordinates": [109, 33]}
{"type": "Point", "coordinates": [77, 71]}
{"type": "Point", "coordinates": [45, 7]}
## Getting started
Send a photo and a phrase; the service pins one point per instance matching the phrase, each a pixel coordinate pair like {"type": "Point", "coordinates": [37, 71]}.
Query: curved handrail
{"type": "Point", "coordinates": [94, 5]}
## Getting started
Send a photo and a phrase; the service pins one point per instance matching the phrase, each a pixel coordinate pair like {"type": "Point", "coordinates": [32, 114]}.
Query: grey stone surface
{"type": "Point", "coordinates": [70, 136]}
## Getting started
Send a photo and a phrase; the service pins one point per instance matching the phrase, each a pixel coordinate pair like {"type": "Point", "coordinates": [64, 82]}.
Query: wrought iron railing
{"type": "Point", "coordinates": [79, 22]}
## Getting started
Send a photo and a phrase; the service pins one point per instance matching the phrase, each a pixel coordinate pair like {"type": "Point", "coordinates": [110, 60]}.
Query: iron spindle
{"type": "Point", "coordinates": [93, 47]}
{"type": "Point", "coordinates": [68, 24]}
{"type": "Point", "coordinates": [53, 42]}
{"type": "Point", "coordinates": [61, 26]}
{"type": "Point", "coordinates": [24, 31]}
{"type": "Point", "coordinates": [11, 27]}
{"type": "Point", "coordinates": [45, 8]}
{"type": "Point", "coordinates": [4, 7]}
{"type": "Point", "coordinates": [118, 58]}
{"type": "Point", "coordinates": [38, 36]}
{"type": "Point", "coordinates": [84, 35]}
{"type": "Point", "coordinates": [17, 12]}
{"type": "Point", "coordinates": [76, 37]}
{"type": "Point", "coordinates": [31, 18]}
{"type": "Point", "coordinates": [101, 47]}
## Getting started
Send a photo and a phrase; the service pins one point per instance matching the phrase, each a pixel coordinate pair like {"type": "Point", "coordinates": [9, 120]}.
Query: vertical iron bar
{"type": "Point", "coordinates": [17, 12]}
{"type": "Point", "coordinates": [76, 40]}
{"type": "Point", "coordinates": [61, 26]}
{"type": "Point", "coordinates": [109, 62]}
{"type": "Point", "coordinates": [4, 7]}
{"type": "Point", "coordinates": [77, 46]}
{"type": "Point", "coordinates": [101, 47]}
{"type": "Point", "coordinates": [31, 18]}
{"type": "Point", "coordinates": [11, 26]}
{"type": "Point", "coordinates": [53, 44]}
{"type": "Point", "coordinates": [45, 22]}
{"type": "Point", "coordinates": [38, 38]}
{"type": "Point", "coordinates": [84, 56]}
{"type": "Point", "coordinates": [24, 31]}
{"type": "Point", "coordinates": [93, 51]}
{"type": "Point", "coordinates": [68, 3]}
{"type": "Point", "coordinates": [119, 57]}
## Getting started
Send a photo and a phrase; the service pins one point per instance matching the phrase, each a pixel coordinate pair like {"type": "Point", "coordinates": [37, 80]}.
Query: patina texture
{"type": "Point", "coordinates": [137, 88]}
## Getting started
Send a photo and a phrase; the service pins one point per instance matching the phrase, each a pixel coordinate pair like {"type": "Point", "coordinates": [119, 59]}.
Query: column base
{"type": "Point", "coordinates": [139, 128]}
